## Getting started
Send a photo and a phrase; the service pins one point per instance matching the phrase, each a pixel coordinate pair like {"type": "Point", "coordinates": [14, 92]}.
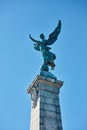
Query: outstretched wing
{"type": "Point", "coordinates": [53, 36]}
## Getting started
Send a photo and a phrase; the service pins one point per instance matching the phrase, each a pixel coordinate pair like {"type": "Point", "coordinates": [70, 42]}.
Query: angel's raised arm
{"type": "Point", "coordinates": [33, 39]}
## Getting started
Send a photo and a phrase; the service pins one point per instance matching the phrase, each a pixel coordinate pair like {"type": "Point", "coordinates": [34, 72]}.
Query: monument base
{"type": "Point", "coordinates": [45, 111]}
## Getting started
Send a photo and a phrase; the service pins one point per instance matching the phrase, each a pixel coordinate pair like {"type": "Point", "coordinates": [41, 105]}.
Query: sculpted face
{"type": "Point", "coordinates": [42, 36]}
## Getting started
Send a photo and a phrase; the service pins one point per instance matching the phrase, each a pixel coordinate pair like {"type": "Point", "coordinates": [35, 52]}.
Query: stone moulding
{"type": "Point", "coordinates": [46, 81]}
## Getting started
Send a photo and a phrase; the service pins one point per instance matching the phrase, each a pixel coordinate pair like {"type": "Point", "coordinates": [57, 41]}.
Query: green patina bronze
{"type": "Point", "coordinates": [48, 56]}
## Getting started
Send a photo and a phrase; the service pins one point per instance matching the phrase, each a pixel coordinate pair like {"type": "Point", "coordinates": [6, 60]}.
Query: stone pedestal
{"type": "Point", "coordinates": [45, 111]}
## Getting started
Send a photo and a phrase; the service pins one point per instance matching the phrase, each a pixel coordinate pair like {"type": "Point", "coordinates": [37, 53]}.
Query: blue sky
{"type": "Point", "coordinates": [20, 63]}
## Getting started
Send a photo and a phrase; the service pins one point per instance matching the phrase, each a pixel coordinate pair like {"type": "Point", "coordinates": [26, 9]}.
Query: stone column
{"type": "Point", "coordinates": [45, 111]}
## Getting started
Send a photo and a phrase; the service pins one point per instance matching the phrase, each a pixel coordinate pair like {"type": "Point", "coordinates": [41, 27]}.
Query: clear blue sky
{"type": "Point", "coordinates": [19, 62]}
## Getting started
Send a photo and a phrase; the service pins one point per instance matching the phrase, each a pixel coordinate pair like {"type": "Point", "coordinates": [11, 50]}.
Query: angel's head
{"type": "Point", "coordinates": [42, 36]}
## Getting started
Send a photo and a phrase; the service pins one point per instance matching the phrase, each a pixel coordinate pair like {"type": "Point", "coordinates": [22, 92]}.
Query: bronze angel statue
{"type": "Point", "coordinates": [43, 46]}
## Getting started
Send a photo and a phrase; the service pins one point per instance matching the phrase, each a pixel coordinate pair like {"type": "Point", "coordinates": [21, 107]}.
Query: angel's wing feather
{"type": "Point", "coordinates": [53, 36]}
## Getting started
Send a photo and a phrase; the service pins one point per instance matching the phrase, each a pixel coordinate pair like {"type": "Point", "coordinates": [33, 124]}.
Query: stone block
{"type": "Point", "coordinates": [42, 113]}
{"type": "Point", "coordinates": [58, 109]}
{"type": "Point", "coordinates": [42, 106]}
{"type": "Point", "coordinates": [50, 121]}
{"type": "Point", "coordinates": [59, 123]}
{"type": "Point", "coordinates": [51, 114]}
{"type": "Point", "coordinates": [42, 127]}
{"type": "Point", "coordinates": [49, 107]}
{"type": "Point", "coordinates": [59, 128]}
{"type": "Point", "coordinates": [41, 120]}
{"type": "Point", "coordinates": [58, 116]}
{"type": "Point", "coordinates": [48, 94]}
{"type": "Point", "coordinates": [52, 101]}
{"type": "Point", "coordinates": [51, 128]}
{"type": "Point", "coordinates": [43, 99]}
{"type": "Point", "coordinates": [49, 88]}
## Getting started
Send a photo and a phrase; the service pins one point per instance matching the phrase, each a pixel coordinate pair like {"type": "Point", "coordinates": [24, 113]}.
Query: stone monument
{"type": "Point", "coordinates": [45, 88]}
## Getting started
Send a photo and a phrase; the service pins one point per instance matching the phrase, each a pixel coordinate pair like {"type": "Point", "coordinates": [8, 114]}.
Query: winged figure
{"type": "Point", "coordinates": [43, 46]}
